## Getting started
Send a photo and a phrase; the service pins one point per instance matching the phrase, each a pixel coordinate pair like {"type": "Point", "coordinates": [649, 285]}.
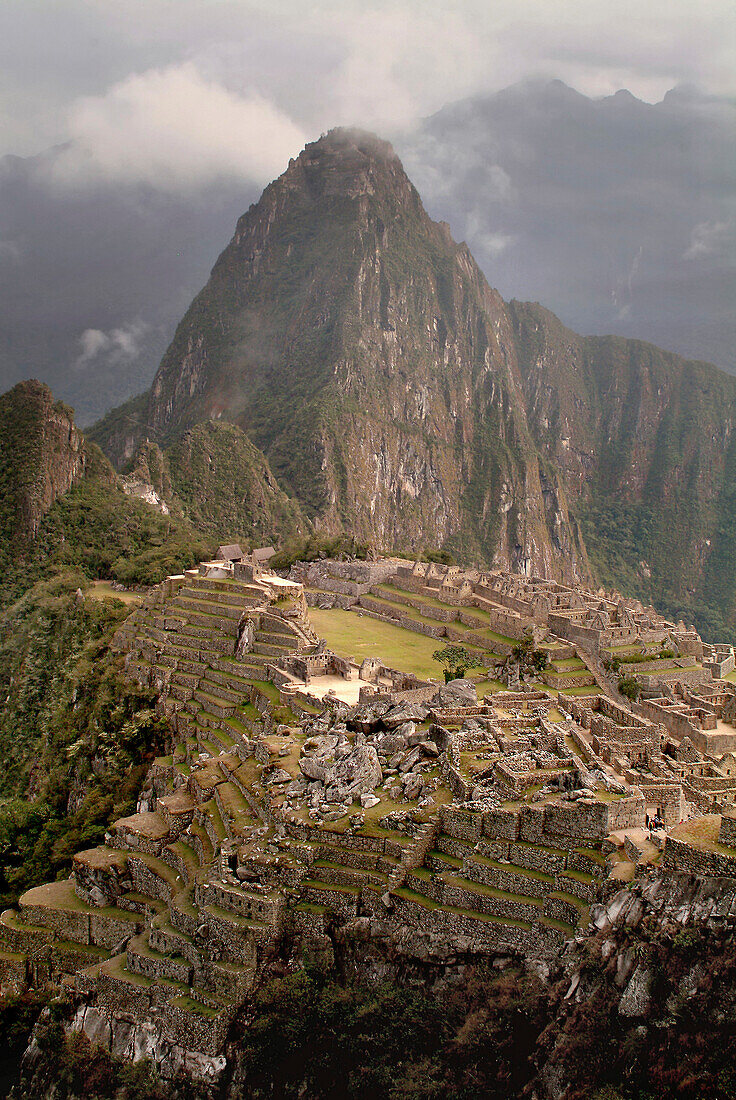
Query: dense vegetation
{"type": "Point", "coordinates": [619, 537]}
{"type": "Point", "coordinates": [75, 734]}
{"type": "Point", "coordinates": [227, 490]}
{"type": "Point", "coordinates": [484, 1033]}
{"type": "Point", "coordinates": [106, 534]}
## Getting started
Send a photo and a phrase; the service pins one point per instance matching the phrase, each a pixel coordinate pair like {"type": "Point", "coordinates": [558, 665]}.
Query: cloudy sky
{"type": "Point", "coordinates": [149, 125]}
{"type": "Point", "coordinates": [149, 86]}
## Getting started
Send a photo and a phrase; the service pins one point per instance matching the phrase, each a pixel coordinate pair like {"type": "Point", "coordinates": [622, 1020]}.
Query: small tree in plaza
{"type": "Point", "coordinates": [531, 661]}
{"type": "Point", "coordinates": [455, 660]}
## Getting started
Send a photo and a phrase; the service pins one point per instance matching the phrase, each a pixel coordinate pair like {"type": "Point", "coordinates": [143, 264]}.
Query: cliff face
{"type": "Point", "coordinates": [364, 353]}
{"type": "Point", "coordinates": [42, 455]}
{"type": "Point", "coordinates": [644, 443]}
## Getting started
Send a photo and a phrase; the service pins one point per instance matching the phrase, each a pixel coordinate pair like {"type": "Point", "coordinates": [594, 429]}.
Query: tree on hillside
{"type": "Point", "coordinates": [456, 661]}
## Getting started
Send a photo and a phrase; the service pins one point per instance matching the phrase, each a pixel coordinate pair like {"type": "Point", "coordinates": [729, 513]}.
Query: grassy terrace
{"type": "Point", "coordinates": [350, 634]}
{"type": "Point", "coordinates": [103, 590]}
{"type": "Point", "coordinates": [478, 613]}
{"type": "Point", "coordinates": [269, 690]}
{"type": "Point", "coordinates": [578, 670]}
{"type": "Point", "coordinates": [359, 636]}
{"type": "Point", "coordinates": [411, 612]}
{"type": "Point", "coordinates": [702, 833]}
{"type": "Point", "coordinates": [491, 891]}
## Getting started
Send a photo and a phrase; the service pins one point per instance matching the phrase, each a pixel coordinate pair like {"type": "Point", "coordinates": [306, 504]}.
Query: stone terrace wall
{"type": "Point", "coordinates": [559, 825]}
{"type": "Point", "coordinates": [727, 831]}
{"type": "Point", "coordinates": [680, 856]}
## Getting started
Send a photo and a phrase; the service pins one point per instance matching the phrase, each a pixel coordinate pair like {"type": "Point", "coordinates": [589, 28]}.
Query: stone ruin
{"type": "Point", "coordinates": [422, 815]}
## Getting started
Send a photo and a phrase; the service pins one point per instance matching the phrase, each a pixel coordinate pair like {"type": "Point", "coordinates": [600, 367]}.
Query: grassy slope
{"type": "Point", "coordinates": [227, 490]}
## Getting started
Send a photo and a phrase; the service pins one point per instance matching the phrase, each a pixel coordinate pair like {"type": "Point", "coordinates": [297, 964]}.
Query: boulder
{"type": "Point", "coordinates": [636, 999]}
{"type": "Point", "coordinates": [429, 748]}
{"type": "Point", "coordinates": [459, 693]}
{"type": "Point", "coordinates": [312, 768]}
{"type": "Point", "coordinates": [401, 714]}
{"type": "Point", "coordinates": [360, 771]}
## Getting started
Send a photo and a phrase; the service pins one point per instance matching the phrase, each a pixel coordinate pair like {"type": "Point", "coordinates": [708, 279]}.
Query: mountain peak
{"type": "Point", "coordinates": [350, 139]}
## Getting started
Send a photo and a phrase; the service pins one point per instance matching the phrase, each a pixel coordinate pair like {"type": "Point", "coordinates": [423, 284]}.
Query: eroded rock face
{"type": "Point", "coordinates": [134, 1040]}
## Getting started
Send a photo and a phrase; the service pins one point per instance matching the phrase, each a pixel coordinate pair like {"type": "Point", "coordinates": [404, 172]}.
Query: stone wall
{"type": "Point", "coordinates": [680, 856]}
{"type": "Point", "coordinates": [666, 796]}
{"type": "Point", "coordinates": [627, 813]}
{"type": "Point", "coordinates": [727, 831]}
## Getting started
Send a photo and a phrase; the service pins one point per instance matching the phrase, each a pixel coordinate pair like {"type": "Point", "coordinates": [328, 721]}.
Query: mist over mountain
{"type": "Point", "coordinates": [93, 278]}
{"type": "Point", "coordinates": [616, 214]}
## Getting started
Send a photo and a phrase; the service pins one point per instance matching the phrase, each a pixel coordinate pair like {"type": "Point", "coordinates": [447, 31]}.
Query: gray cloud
{"type": "Point", "coordinates": [379, 63]}
{"type": "Point", "coordinates": [174, 129]}
{"type": "Point", "coordinates": [166, 120]}
{"type": "Point", "coordinates": [618, 214]}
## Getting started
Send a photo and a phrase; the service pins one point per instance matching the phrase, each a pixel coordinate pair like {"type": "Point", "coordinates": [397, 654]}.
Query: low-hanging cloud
{"type": "Point", "coordinates": [713, 238]}
{"type": "Point", "coordinates": [120, 344]}
{"type": "Point", "coordinates": [175, 129]}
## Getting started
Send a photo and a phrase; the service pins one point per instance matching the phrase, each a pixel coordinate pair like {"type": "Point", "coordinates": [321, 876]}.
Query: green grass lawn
{"type": "Point", "coordinates": [489, 687]}
{"type": "Point", "coordinates": [359, 636]}
{"type": "Point", "coordinates": [103, 590]}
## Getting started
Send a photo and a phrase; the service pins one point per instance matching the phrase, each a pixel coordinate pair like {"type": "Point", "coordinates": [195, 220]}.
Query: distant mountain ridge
{"type": "Point", "coordinates": [396, 396]}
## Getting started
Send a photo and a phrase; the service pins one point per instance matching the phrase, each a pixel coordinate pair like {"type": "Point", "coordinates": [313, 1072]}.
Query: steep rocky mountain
{"type": "Point", "coordinates": [644, 442]}
{"type": "Point", "coordinates": [395, 395]}
{"type": "Point", "coordinates": [363, 352]}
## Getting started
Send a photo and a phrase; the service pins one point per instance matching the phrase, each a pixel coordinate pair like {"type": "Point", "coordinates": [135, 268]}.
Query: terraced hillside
{"type": "Point", "coordinates": [276, 817]}
{"type": "Point", "coordinates": [183, 641]}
